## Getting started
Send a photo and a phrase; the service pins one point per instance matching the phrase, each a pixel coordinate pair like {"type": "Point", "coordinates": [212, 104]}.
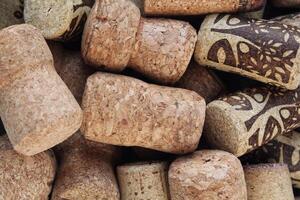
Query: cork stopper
{"type": "Point", "coordinates": [11, 12]}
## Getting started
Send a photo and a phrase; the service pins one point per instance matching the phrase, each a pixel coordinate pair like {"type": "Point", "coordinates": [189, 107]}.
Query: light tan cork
{"type": "Point", "coordinates": [37, 109]}
{"type": "Point", "coordinates": [229, 43]}
{"type": "Point", "coordinates": [57, 19]}
{"type": "Point", "coordinates": [199, 7]}
{"type": "Point", "coordinates": [144, 181]}
{"type": "Point", "coordinates": [243, 121]}
{"type": "Point", "coordinates": [11, 12]}
{"type": "Point", "coordinates": [25, 177]}
{"type": "Point", "coordinates": [286, 3]}
{"type": "Point", "coordinates": [206, 175]}
{"type": "Point", "coordinates": [268, 182]}
{"type": "Point", "coordinates": [125, 111]}
{"type": "Point", "coordinates": [292, 19]}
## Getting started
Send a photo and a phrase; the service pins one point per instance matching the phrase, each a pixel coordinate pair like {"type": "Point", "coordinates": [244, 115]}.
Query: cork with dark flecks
{"type": "Point", "coordinates": [291, 19]}
{"type": "Point", "coordinates": [286, 3]}
{"type": "Point", "coordinates": [11, 12]}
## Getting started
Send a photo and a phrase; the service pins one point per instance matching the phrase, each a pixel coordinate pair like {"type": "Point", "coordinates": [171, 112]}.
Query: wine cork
{"type": "Point", "coordinates": [243, 121]}
{"type": "Point", "coordinates": [207, 174]}
{"type": "Point", "coordinates": [286, 3]}
{"type": "Point", "coordinates": [124, 111]}
{"type": "Point", "coordinates": [265, 51]}
{"type": "Point", "coordinates": [160, 49]}
{"type": "Point", "coordinates": [25, 177]}
{"type": "Point", "coordinates": [11, 12]}
{"type": "Point", "coordinates": [268, 182]}
{"type": "Point", "coordinates": [144, 181]}
{"type": "Point", "coordinates": [57, 19]}
{"type": "Point", "coordinates": [291, 19]}
{"type": "Point", "coordinates": [199, 7]}
{"type": "Point", "coordinates": [36, 107]}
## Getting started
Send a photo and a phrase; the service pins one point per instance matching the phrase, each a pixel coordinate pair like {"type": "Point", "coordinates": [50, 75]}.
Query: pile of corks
{"type": "Point", "coordinates": [123, 99]}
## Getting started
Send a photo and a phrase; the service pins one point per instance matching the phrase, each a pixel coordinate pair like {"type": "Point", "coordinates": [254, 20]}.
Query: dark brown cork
{"type": "Point", "coordinates": [11, 12]}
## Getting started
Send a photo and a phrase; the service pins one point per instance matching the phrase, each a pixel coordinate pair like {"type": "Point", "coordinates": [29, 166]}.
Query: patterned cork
{"type": "Point", "coordinates": [11, 12]}
{"type": "Point", "coordinates": [125, 111]}
{"type": "Point", "coordinates": [243, 121]}
{"type": "Point", "coordinates": [268, 182]}
{"type": "Point", "coordinates": [57, 19]}
{"type": "Point", "coordinates": [286, 3]}
{"type": "Point", "coordinates": [292, 19]}
{"type": "Point", "coordinates": [199, 7]}
{"type": "Point", "coordinates": [37, 109]}
{"type": "Point", "coordinates": [25, 177]}
{"type": "Point", "coordinates": [229, 43]}
{"type": "Point", "coordinates": [206, 175]}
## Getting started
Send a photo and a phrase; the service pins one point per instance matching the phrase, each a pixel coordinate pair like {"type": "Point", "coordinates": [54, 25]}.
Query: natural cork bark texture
{"type": "Point", "coordinates": [206, 175]}
{"type": "Point", "coordinates": [57, 19]}
{"type": "Point", "coordinates": [36, 107]}
{"type": "Point", "coordinates": [292, 19]}
{"type": "Point", "coordinates": [244, 121]}
{"type": "Point", "coordinates": [229, 43]}
{"type": "Point", "coordinates": [125, 111]}
{"type": "Point", "coordinates": [199, 7]}
{"type": "Point", "coordinates": [11, 12]}
{"type": "Point", "coordinates": [144, 181]}
{"type": "Point", "coordinates": [25, 177]}
{"type": "Point", "coordinates": [286, 3]}
{"type": "Point", "coordinates": [268, 182]}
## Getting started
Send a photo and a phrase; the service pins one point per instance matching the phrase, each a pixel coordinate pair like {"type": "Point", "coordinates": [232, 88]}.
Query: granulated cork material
{"type": "Point", "coordinates": [286, 3]}
{"type": "Point", "coordinates": [125, 111]}
{"type": "Point", "coordinates": [206, 175]}
{"type": "Point", "coordinates": [25, 177]}
{"type": "Point", "coordinates": [11, 12]}
{"type": "Point", "coordinates": [292, 19]}
{"type": "Point", "coordinates": [268, 182]}
{"type": "Point", "coordinates": [36, 107]}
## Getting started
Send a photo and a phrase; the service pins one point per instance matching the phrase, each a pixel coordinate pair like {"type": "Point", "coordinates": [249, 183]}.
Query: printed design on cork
{"type": "Point", "coordinates": [18, 14]}
{"type": "Point", "coordinates": [254, 48]}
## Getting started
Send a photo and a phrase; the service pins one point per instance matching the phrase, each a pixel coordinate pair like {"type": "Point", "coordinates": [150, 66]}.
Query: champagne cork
{"type": "Point", "coordinates": [25, 177]}
{"type": "Point", "coordinates": [199, 7]}
{"type": "Point", "coordinates": [57, 19]}
{"type": "Point", "coordinates": [11, 12]}
{"type": "Point", "coordinates": [207, 174]}
{"type": "Point", "coordinates": [286, 3]}
{"type": "Point", "coordinates": [265, 51]}
{"type": "Point", "coordinates": [36, 107]}
{"type": "Point", "coordinates": [291, 19]}
{"type": "Point", "coordinates": [124, 111]}
{"type": "Point", "coordinates": [115, 36]}
{"type": "Point", "coordinates": [144, 181]}
{"type": "Point", "coordinates": [243, 121]}
{"type": "Point", "coordinates": [268, 182]}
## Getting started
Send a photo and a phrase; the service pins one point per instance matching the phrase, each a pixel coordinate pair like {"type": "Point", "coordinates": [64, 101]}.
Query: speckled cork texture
{"type": "Point", "coordinates": [37, 109]}
{"type": "Point", "coordinates": [243, 121]}
{"type": "Point", "coordinates": [125, 111]}
{"type": "Point", "coordinates": [144, 181]}
{"type": "Point", "coordinates": [199, 7]}
{"type": "Point", "coordinates": [11, 12]}
{"type": "Point", "coordinates": [160, 49]}
{"type": "Point", "coordinates": [206, 175]}
{"type": "Point", "coordinates": [25, 177]}
{"type": "Point", "coordinates": [57, 19]}
{"type": "Point", "coordinates": [292, 19]}
{"type": "Point", "coordinates": [286, 3]}
{"type": "Point", "coordinates": [229, 43]}
{"type": "Point", "coordinates": [268, 182]}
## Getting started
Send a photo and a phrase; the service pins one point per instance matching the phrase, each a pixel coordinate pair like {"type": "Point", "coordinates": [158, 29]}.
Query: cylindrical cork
{"type": "Point", "coordinates": [25, 177]}
{"type": "Point", "coordinates": [125, 111]}
{"type": "Point", "coordinates": [266, 51]}
{"type": "Point", "coordinates": [207, 174]}
{"type": "Point", "coordinates": [57, 19]}
{"type": "Point", "coordinates": [36, 107]}
{"type": "Point", "coordinates": [11, 12]}
{"type": "Point", "coordinates": [286, 3]}
{"type": "Point", "coordinates": [292, 19]}
{"type": "Point", "coordinates": [144, 181]}
{"type": "Point", "coordinates": [199, 7]}
{"type": "Point", "coordinates": [268, 182]}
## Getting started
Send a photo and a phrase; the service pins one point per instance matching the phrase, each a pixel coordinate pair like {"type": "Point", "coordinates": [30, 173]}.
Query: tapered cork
{"type": "Point", "coordinates": [291, 19]}
{"type": "Point", "coordinates": [57, 19]}
{"type": "Point", "coordinates": [243, 121]}
{"type": "Point", "coordinates": [36, 107]}
{"type": "Point", "coordinates": [199, 7]}
{"type": "Point", "coordinates": [11, 12]}
{"type": "Point", "coordinates": [25, 177]}
{"type": "Point", "coordinates": [206, 175]}
{"type": "Point", "coordinates": [144, 181]}
{"type": "Point", "coordinates": [125, 111]}
{"type": "Point", "coordinates": [286, 3]}
{"type": "Point", "coordinates": [268, 182]}
{"type": "Point", "coordinates": [230, 43]}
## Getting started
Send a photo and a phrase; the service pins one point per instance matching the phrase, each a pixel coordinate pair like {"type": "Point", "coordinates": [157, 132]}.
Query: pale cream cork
{"type": "Point", "coordinates": [36, 107]}
{"type": "Point", "coordinates": [125, 111]}
{"type": "Point", "coordinates": [268, 182]}
{"type": "Point", "coordinates": [206, 175]}
{"type": "Point", "coordinates": [25, 177]}
{"type": "Point", "coordinates": [229, 43]}
{"type": "Point", "coordinates": [11, 12]}
{"type": "Point", "coordinates": [286, 3]}
{"type": "Point", "coordinates": [148, 180]}
{"type": "Point", "coordinates": [291, 19]}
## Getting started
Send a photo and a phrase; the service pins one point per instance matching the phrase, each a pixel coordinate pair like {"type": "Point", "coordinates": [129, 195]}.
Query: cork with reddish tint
{"type": "Point", "coordinates": [25, 177]}
{"type": "Point", "coordinates": [207, 174]}
{"type": "Point", "coordinates": [286, 3]}
{"type": "Point", "coordinates": [291, 19]}
{"type": "Point", "coordinates": [11, 13]}
{"type": "Point", "coordinates": [37, 109]}
{"type": "Point", "coordinates": [125, 111]}
{"type": "Point", "coordinates": [268, 181]}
